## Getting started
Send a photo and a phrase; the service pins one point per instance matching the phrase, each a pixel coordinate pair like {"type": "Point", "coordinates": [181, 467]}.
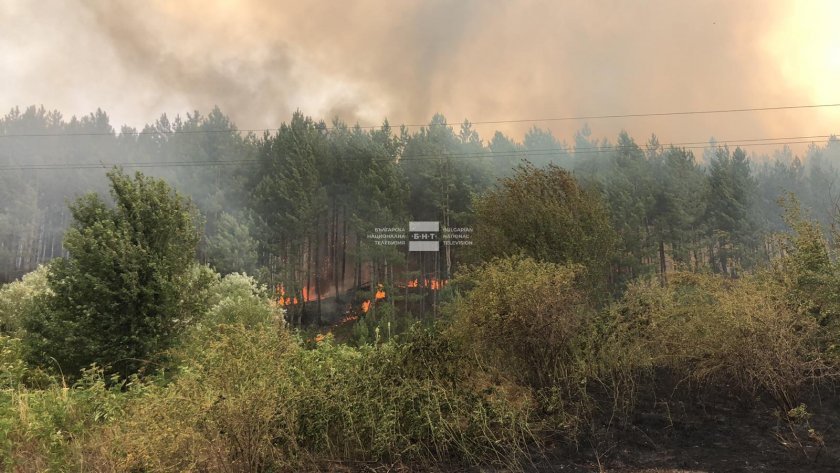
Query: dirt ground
{"type": "Point", "coordinates": [673, 438]}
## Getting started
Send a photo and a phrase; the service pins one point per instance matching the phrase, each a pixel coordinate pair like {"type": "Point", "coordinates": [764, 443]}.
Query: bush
{"type": "Point", "coordinates": [524, 316]}
{"type": "Point", "coordinates": [55, 427]}
{"type": "Point", "coordinates": [386, 321]}
{"type": "Point", "coordinates": [124, 293]}
{"type": "Point", "coordinates": [563, 223]}
{"type": "Point", "coordinates": [534, 322]}
{"type": "Point", "coordinates": [19, 298]}
{"type": "Point", "coordinates": [737, 335]}
{"type": "Point", "coordinates": [255, 400]}
{"type": "Point", "coordinates": [809, 273]}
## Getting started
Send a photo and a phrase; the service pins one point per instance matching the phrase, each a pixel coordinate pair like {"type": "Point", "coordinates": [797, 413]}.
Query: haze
{"type": "Point", "coordinates": [365, 61]}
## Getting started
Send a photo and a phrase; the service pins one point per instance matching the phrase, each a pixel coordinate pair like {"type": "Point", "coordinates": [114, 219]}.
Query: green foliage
{"type": "Point", "coordinates": [57, 428]}
{"type": "Point", "coordinates": [652, 195]}
{"type": "Point", "coordinates": [20, 298]}
{"type": "Point", "coordinates": [13, 370]}
{"type": "Point", "coordinates": [382, 324]}
{"type": "Point", "coordinates": [544, 214]}
{"type": "Point", "coordinates": [232, 248]}
{"type": "Point", "coordinates": [731, 192]}
{"type": "Point", "coordinates": [631, 193]}
{"type": "Point", "coordinates": [807, 267]}
{"type": "Point", "coordinates": [737, 335]}
{"type": "Point", "coordinates": [238, 299]}
{"type": "Point", "coordinates": [533, 322]}
{"type": "Point", "coordinates": [255, 400]}
{"type": "Point", "coordinates": [536, 307]}
{"type": "Point", "coordinates": [124, 294]}
{"type": "Point", "coordinates": [677, 213]}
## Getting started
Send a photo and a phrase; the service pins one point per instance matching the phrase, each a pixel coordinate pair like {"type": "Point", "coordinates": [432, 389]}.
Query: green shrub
{"type": "Point", "coordinates": [239, 298]}
{"type": "Point", "coordinates": [386, 321]}
{"type": "Point", "coordinates": [532, 321]}
{"type": "Point", "coordinates": [52, 428]}
{"type": "Point", "coordinates": [256, 400]}
{"type": "Point", "coordinates": [739, 335]}
{"type": "Point", "coordinates": [124, 293]}
{"type": "Point", "coordinates": [233, 299]}
{"type": "Point", "coordinates": [563, 223]}
{"type": "Point", "coordinates": [19, 298]}
{"type": "Point", "coordinates": [524, 316]}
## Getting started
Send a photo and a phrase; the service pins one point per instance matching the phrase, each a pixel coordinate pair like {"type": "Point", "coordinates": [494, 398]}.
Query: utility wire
{"type": "Point", "coordinates": [485, 122]}
{"type": "Point", "coordinates": [518, 153]}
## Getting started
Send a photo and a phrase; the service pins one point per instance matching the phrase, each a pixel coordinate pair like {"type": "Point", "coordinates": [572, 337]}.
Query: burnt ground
{"type": "Point", "coordinates": [726, 438]}
{"type": "Point", "coordinates": [683, 437]}
{"type": "Point", "coordinates": [673, 438]}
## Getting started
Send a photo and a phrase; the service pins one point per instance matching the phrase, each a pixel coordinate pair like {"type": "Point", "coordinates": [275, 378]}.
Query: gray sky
{"type": "Point", "coordinates": [405, 60]}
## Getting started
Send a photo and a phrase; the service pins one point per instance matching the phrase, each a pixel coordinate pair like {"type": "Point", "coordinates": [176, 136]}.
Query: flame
{"type": "Point", "coordinates": [378, 296]}
{"type": "Point", "coordinates": [280, 291]}
{"type": "Point", "coordinates": [307, 297]}
{"type": "Point", "coordinates": [433, 283]}
{"type": "Point", "coordinates": [285, 300]}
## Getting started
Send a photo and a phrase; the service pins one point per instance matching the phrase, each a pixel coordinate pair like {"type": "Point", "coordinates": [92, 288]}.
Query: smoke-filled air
{"type": "Point", "coordinates": [270, 236]}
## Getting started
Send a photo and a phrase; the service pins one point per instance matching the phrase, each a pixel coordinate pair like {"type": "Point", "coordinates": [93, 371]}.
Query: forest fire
{"type": "Point", "coordinates": [285, 300]}
{"type": "Point", "coordinates": [380, 294]}
{"type": "Point", "coordinates": [306, 295]}
{"type": "Point", "coordinates": [282, 298]}
{"type": "Point", "coordinates": [433, 283]}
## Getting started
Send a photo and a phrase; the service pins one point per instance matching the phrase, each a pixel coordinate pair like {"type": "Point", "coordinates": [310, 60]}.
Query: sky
{"type": "Point", "coordinates": [483, 60]}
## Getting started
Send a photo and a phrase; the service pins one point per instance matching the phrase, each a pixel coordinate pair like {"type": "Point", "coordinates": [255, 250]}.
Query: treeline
{"type": "Point", "coordinates": [296, 205]}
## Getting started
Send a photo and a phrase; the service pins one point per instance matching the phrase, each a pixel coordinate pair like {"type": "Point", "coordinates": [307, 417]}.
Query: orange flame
{"type": "Point", "coordinates": [284, 300]}
{"type": "Point", "coordinates": [280, 291]}
{"type": "Point", "coordinates": [433, 283]}
{"type": "Point", "coordinates": [309, 297]}
{"type": "Point", "coordinates": [365, 306]}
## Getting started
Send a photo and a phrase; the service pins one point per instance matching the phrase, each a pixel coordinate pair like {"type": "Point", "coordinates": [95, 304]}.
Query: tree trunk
{"type": "Point", "coordinates": [334, 253]}
{"type": "Point", "coordinates": [343, 243]}
{"type": "Point", "coordinates": [662, 277]}
{"type": "Point", "coordinates": [317, 271]}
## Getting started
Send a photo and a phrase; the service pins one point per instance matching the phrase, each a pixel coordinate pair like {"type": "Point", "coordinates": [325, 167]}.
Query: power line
{"type": "Point", "coordinates": [662, 114]}
{"type": "Point", "coordinates": [517, 153]}
{"type": "Point", "coordinates": [484, 122]}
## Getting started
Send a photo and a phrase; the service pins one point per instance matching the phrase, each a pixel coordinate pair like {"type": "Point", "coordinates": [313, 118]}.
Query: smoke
{"type": "Point", "coordinates": [259, 60]}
